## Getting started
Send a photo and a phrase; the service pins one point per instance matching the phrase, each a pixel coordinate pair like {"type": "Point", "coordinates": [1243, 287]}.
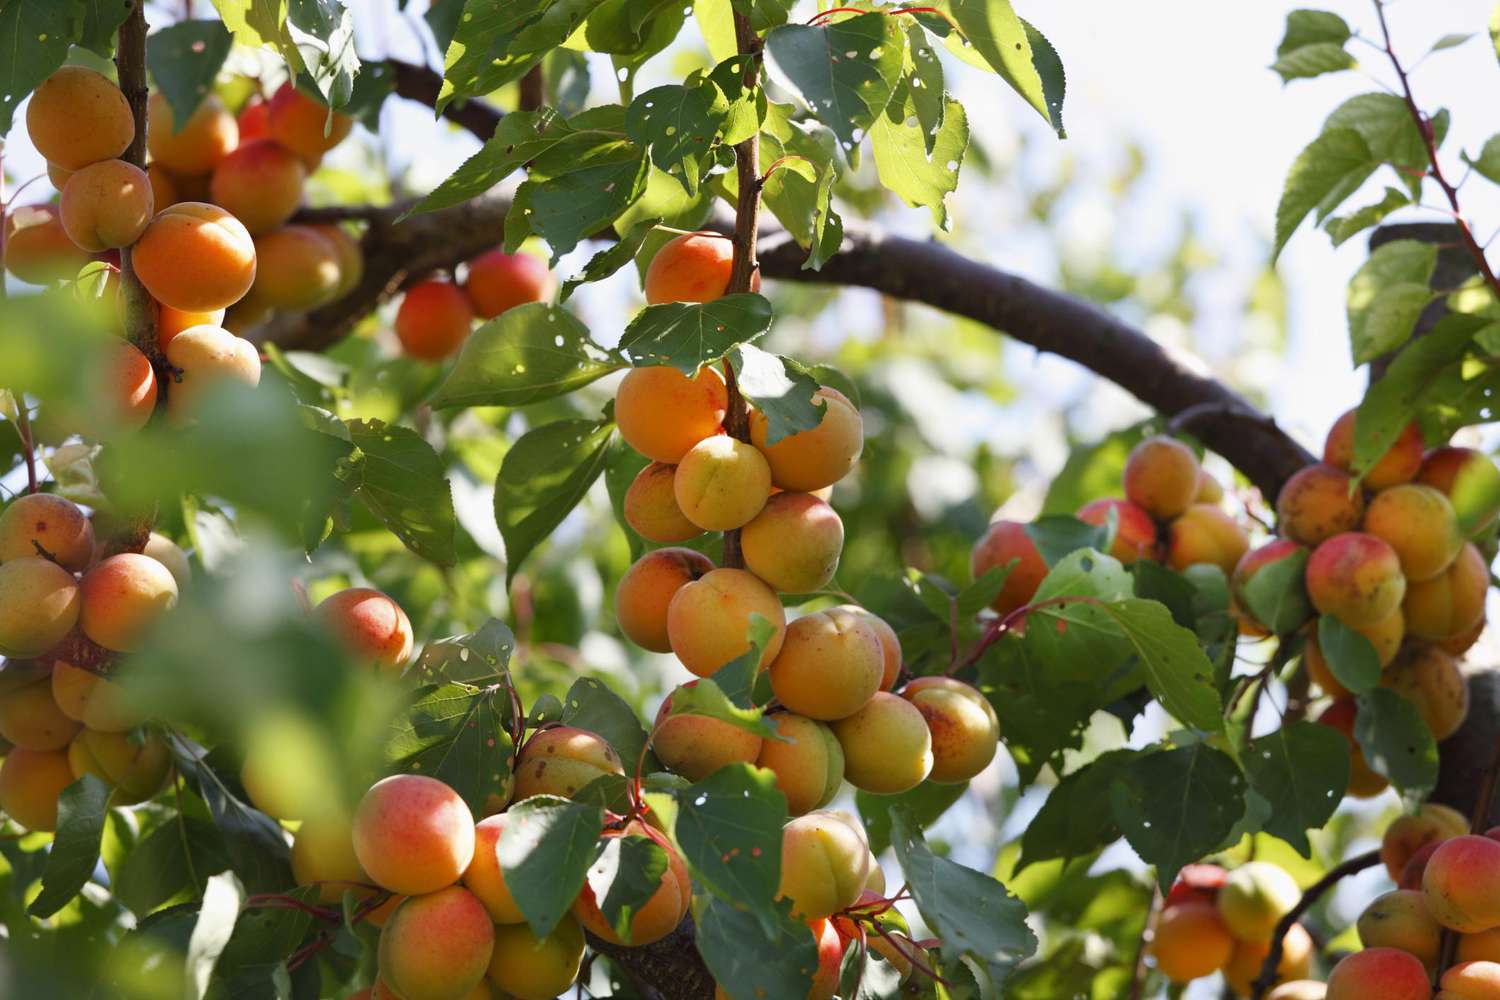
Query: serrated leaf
{"type": "Point", "coordinates": [680, 125]}
{"type": "Point", "coordinates": [1384, 121]}
{"type": "Point", "coordinates": [1058, 536]}
{"type": "Point", "coordinates": [545, 850]}
{"type": "Point", "coordinates": [164, 862]}
{"type": "Point", "coordinates": [1397, 743]}
{"type": "Point", "coordinates": [1070, 823]}
{"type": "Point", "coordinates": [1175, 667]}
{"type": "Point", "coordinates": [543, 477]}
{"type": "Point", "coordinates": [520, 137]}
{"type": "Point", "coordinates": [689, 335]}
{"type": "Point", "coordinates": [729, 828]}
{"type": "Point", "coordinates": [254, 842]}
{"type": "Point", "coordinates": [593, 706]}
{"type": "Point", "coordinates": [1397, 263]}
{"type": "Point", "coordinates": [1276, 596]}
{"type": "Point", "coordinates": [479, 657]}
{"type": "Point", "coordinates": [498, 41]}
{"type": "Point", "coordinates": [1487, 164]}
{"type": "Point", "coordinates": [764, 14]}
{"type": "Point", "coordinates": [992, 36]}
{"type": "Point", "coordinates": [460, 735]}
{"type": "Point", "coordinates": [1328, 170]}
{"type": "Point", "coordinates": [1302, 771]}
{"type": "Point", "coordinates": [402, 481]}
{"type": "Point", "coordinates": [844, 71]}
{"type": "Point", "coordinates": [81, 809]}
{"type": "Point", "coordinates": [1312, 27]}
{"type": "Point", "coordinates": [904, 164]}
{"type": "Point", "coordinates": [323, 33]}
{"type": "Point", "coordinates": [1390, 318]}
{"type": "Point", "coordinates": [1350, 656]}
{"type": "Point", "coordinates": [705, 697]}
{"type": "Point", "coordinates": [579, 188]}
{"type": "Point", "coordinates": [1341, 227]}
{"type": "Point", "coordinates": [527, 354]}
{"type": "Point", "coordinates": [1313, 60]}
{"type": "Point", "coordinates": [804, 207]}
{"type": "Point", "coordinates": [780, 388]}
{"type": "Point", "coordinates": [737, 678]}
{"type": "Point", "coordinates": [625, 877]}
{"type": "Point", "coordinates": [34, 35]}
{"type": "Point", "coordinates": [1175, 806]}
{"type": "Point", "coordinates": [758, 954]}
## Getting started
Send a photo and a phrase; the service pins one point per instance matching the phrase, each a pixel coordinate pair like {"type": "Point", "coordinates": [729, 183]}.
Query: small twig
{"type": "Point", "coordinates": [1315, 892]}
{"type": "Point", "coordinates": [533, 90]}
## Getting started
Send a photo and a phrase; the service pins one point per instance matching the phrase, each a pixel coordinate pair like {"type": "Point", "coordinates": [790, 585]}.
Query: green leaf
{"type": "Point", "coordinates": [689, 335]}
{"type": "Point", "coordinates": [498, 41]}
{"type": "Point", "coordinates": [1313, 60]}
{"type": "Point", "coordinates": [757, 954]}
{"type": "Point", "coordinates": [924, 804]}
{"type": "Point", "coordinates": [211, 933]}
{"type": "Point", "coordinates": [729, 827]}
{"type": "Point", "coordinates": [460, 735]}
{"type": "Point", "coordinates": [1058, 536]}
{"type": "Point", "coordinates": [480, 657]}
{"type": "Point", "coordinates": [1302, 770]}
{"type": "Point", "coordinates": [1384, 121]}
{"type": "Point", "coordinates": [844, 71]}
{"type": "Point", "coordinates": [323, 33]}
{"type": "Point", "coordinates": [81, 809]}
{"type": "Point", "coordinates": [263, 938]}
{"type": "Point", "coordinates": [681, 126]}
{"type": "Point", "coordinates": [580, 187]}
{"type": "Point", "coordinates": [254, 842]}
{"type": "Point", "coordinates": [993, 36]}
{"type": "Point", "coordinates": [904, 164]}
{"type": "Point", "coordinates": [525, 355]}
{"type": "Point", "coordinates": [764, 14]}
{"type": "Point", "coordinates": [925, 85]}
{"type": "Point", "coordinates": [1175, 667]}
{"type": "Point", "coordinates": [1450, 41]}
{"type": "Point", "coordinates": [737, 678]}
{"type": "Point", "coordinates": [1276, 596]}
{"type": "Point", "coordinates": [1070, 823]}
{"type": "Point", "coordinates": [780, 388]}
{"type": "Point", "coordinates": [593, 706]}
{"type": "Point", "coordinates": [34, 35]}
{"type": "Point", "coordinates": [1326, 172]}
{"type": "Point", "coordinates": [624, 877]}
{"type": "Point", "coordinates": [803, 206]}
{"type": "Point", "coordinates": [520, 137]}
{"type": "Point", "coordinates": [544, 476]}
{"type": "Point", "coordinates": [1341, 228]}
{"type": "Point", "coordinates": [706, 698]}
{"type": "Point", "coordinates": [401, 480]}
{"type": "Point", "coordinates": [1350, 656]}
{"type": "Point", "coordinates": [1397, 743]}
{"type": "Point", "coordinates": [1398, 264]}
{"type": "Point", "coordinates": [1495, 31]}
{"type": "Point", "coordinates": [1487, 164]}
{"type": "Point", "coordinates": [1175, 806]}
{"type": "Point", "coordinates": [1390, 319]}
{"type": "Point", "coordinates": [1312, 27]}
{"type": "Point", "coordinates": [101, 20]}
{"type": "Point", "coordinates": [164, 862]}
{"type": "Point", "coordinates": [545, 850]}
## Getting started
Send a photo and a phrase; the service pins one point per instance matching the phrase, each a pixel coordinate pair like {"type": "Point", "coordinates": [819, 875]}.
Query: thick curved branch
{"type": "Point", "coordinates": [420, 84]}
{"type": "Point", "coordinates": [1315, 892]}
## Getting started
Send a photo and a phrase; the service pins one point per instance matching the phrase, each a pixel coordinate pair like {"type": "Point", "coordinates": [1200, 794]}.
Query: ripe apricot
{"type": "Point", "coordinates": [98, 702]}
{"type": "Point", "coordinates": [1379, 974]}
{"type": "Point", "coordinates": [433, 320]}
{"type": "Point", "coordinates": [813, 459]}
{"type": "Point", "coordinates": [30, 717]}
{"type": "Point", "coordinates": [721, 483]}
{"type": "Point", "coordinates": [205, 357]}
{"type": "Point", "coordinates": [1364, 783]}
{"type": "Point", "coordinates": [348, 253]}
{"type": "Point", "coordinates": [1419, 523]}
{"type": "Point", "coordinates": [1318, 502]}
{"type": "Point", "coordinates": [708, 619]}
{"type": "Point", "coordinates": [662, 413]}
{"type": "Point", "coordinates": [1451, 603]}
{"type": "Point", "coordinates": [696, 746]}
{"type": "Point", "coordinates": [170, 322]}
{"type": "Point", "coordinates": [890, 645]}
{"type": "Point", "coordinates": [1470, 481]}
{"type": "Point", "coordinates": [323, 855]}
{"type": "Point", "coordinates": [1205, 534]}
{"type": "Point", "coordinates": [1432, 824]}
{"type": "Point", "coordinates": [371, 626]}
{"type": "Point", "coordinates": [1398, 465]}
{"type": "Point", "coordinates": [261, 183]}
{"type": "Point", "coordinates": [645, 593]}
{"type": "Point", "coordinates": [1254, 897]}
{"type": "Point", "coordinates": [1464, 641]}
{"type": "Point", "coordinates": [163, 188]}
{"type": "Point", "coordinates": [195, 257]}
{"type": "Point", "coordinates": [302, 124]}
{"type": "Point", "coordinates": [77, 116]}
{"type": "Point", "coordinates": [485, 878]}
{"type": "Point", "coordinates": [1210, 490]}
{"type": "Point", "coordinates": [1002, 543]}
{"type": "Point", "coordinates": [1462, 883]}
{"type": "Point", "coordinates": [106, 204]}
{"type": "Point", "coordinates": [122, 597]}
{"type": "Point", "coordinates": [37, 248]}
{"type": "Point", "coordinates": [809, 767]}
{"type": "Point", "coordinates": [413, 834]}
{"type": "Point", "coordinates": [1471, 981]}
{"type": "Point", "coordinates": [1416, 868]}
{"type": "Point", "coordinates": [1248, 958]}
{"type": "Point", "coordinates": [39, 605]}
{"type": "Point", "coordinates": [530, 968]}
{"type": "Point", "coordinates": [1199, 882]}
{"type": "Point", "coordinates": [887, 745]}
{"type": "Point", "coordinates": [30, 782]}
{"type": "Point", "coordinates": [254, 120]}
{"type": "Point", "coordinates": [1481, 947]}
{"type": "Point", "coordinates": [693, 267]}
{"type": "Point", "coordinates": [651, 509]}
{"type": "Point", "coordinates": [195, 147]}
{"type": "Point", "coordinates": [1299, 989]}
{"type": "Point", "coordinates": [1431, 680]}
{"type": "Point", "coordinates": [794, 543]}
{"type": "Point", "coordinates": [135, 770]}
{"type": "Point", "coordinates": [297, 268]}
{"type": "Point", "coordinates": [1135, 532]}
{"type": "Point", "coordinates": [658, 916]}
{"type": "Point", "coordinates": [437, 946]}
{"type": "Point", "coordinates": [169, 554]}
{"type": "Point", "coordinates": [44, 524]}
{"type": "Point", "coordinates": [58, 176]}
{"type": "Point", "coordinates": [829, 667]}
{"type": "Point", "coordinates": [965, 730]}
{"type": "Point", "coordinates": [499, 281]}
{"type": "Point", "coordinates": [1161, 476]}
{"type": "Point", "coordinates": [825, 862]}
{"type": "Point", "coordinates": [130, 393]}
{"type": "Point", "coordinates": [1399, 919]}
{"type": "Point", "coordinates": [562, 761]}
{"type": "Point", "coordinates": [1355, 577]}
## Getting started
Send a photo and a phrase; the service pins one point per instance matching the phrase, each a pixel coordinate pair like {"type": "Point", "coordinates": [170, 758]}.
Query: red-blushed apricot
{"type": "Point", "coordinates": [44, 524]}
{"type": "Point", "coordinates": [371, 626]}
{"type": "Point", "coordinates": [825, 862]}
{"type": "Point", "coordinates": [794, 543]}
{"type": "Point", "coordinates": [30, 717]}
{"type": "Point", "coordinates": [965, 730]}
{"type": "Point", "coordinates": [809, 766]}
{"type": "Point", "coordinates": [1462, 883]}
{"type": "Point", "coordinates": [1432, 824]}
{"type": "Point", "coordinates": [1254, 897]}
{"type": "Point", "coordinates": [261, 183]}
{"type": "Point", "coordinates": [1481, 947]}
{"type": "Point", "coordinates": [106, 204]}
{"type": "Point", "coordinates": [887, 745]}
{"type": "Point", "coordinates": [1399, 919]}
{"type": "Point", "coordinates": [170, 322]}
{"type": "Point", "coordinates": [645, 594]}
{"type": "Point", "coordinates": [1379, 974]}
{"type": "Point", "coordinates": [195, 147]}
{"type": "Point", "coordinates": [890, 645]}
{"type": "Point", "coordinates": [1385, 636]}
{"type": "Point", "coordinates": [1355, 577]}
{"type": "Point", "coordinates": [662, 413]}
{"type": "Point", "coordinates": [721, 483]}
{"type": "Point", "coordinates": [829, 667]}
{"type": "Point", "coordinates": [1255, 561]}
{"type": "Point", "coordinates": [135, 770]}
{"type": "Point", "coordinates": [1190, 942]}
{"type": "Point", "coordinates": [1469, 479]}
{"type": "Point", "coordinates": [1135, 532]}
{"type": "Point", "coordinates": [708, 619]}
{"type": "Point", "coordinates": [485, 878]}
{"type": "Point", "coordinates": [1248, 957]}
{"type": "Point", "coordinates": [651, 506]}
{"type": "Point", "coordinates": [303, 124]}
{"type": "Point", "coordinates": [1416, 868]}
{"type": "Point", "coordinates": [1364, 783]}
{"type": "Point", "coordinates": [1398, 465]}
{"type": "Point", "coordinates": [351, 258]}
{"type": "Point", "coordinates": [37, 248]}
{"type": "Point", "coordinates": [163, 188]}
{"type": "Point", "coordinates": [1464, 641]}
{"type": "Point", "coordinates": [169, 554]}
{"type": "Point", "coordinates": [1299, 989]}
{"type": "Point", "coordinates": [195, 257]}
{"type": "Point", "coordinates": [530, 968]}
{"type": "Point", "coordinates": [693, 267]}
{"type": "Point", "coordinates": [437, 946]}
{"type": "Point", "coordinates": [562, 761]}
{"type": "Point", "coordinates": [433, 320]}
{"type": "Point", "coordinates": [1431, 680]}
{"type": "Point", "coordinates": [1419, 523]}
{"type": "Point", "coordinates": [1205, 534]}
{"type": "Point", "coordinates": [658, 916]}
{"type": "Point", "coordinates": [1200, 882]}
{"type": "Point", "coordinates": [254, 120]}
{"type": "Point", "coordinates": [122, 598]}
{"type": "Point", "coordinates": [206, 357]}
{"type": "Point", "coordinates": [1318, 502]}
{"type": "Point", "coordinates": [30, 782]}
{"type": "Point", "coordinates": [498, 281]}
{"type": "Point", "coordinates": [1161, 477]}
{"type": "Point", "coordinates": [825, 981]}
{"type": "Point", "coordinates": [93, 699]}
{"type": "Point", "coordinates": [1471, 981]}
{"type": "Point", "coordinates": [696, 746]}
{"type": "Point", "coordinates": [323, 856]}
{"type": "Point", "coordinates": [297, 268]}
{"type": "Point", "coordinates": [1005, 542]}
{"type": "Point", "coordinates": [1451, 603]}
{"type": "Point", "coordinates": [77, 116]}
{"type": "Point", "coordinates": [1210, 490]}
{"type": "Point", "coordinates": [813, 459]}
{"type": "Point", "coordinates": [39, 605]}
{"type": "Point", "coordinates": [413, 834]}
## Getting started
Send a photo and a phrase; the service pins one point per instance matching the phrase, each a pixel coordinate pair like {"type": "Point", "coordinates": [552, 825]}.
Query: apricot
{"type": "Point", "coordinates": [890, 645]}
{"type": "Point", "coordinates": [965, 730]}
{"type": "Point", "coordinates": [437, 946]}
{"type": "Point", "coordinates": [303, 124]}
{"type": "Point", "coordinates": [1451, 603]}
{"type": "Point", "coordinates": [1355, 577]}
{"type": "Point", "coordinates": [1432, 824]}
{"type": "Point", "coordinates": [829, 667]}
{"type": "Point", "coordinates": [30, 782]}
{"type": "Point", "coordinates": [661, 413]}
{"type": "Point", "coordinates": [721, 483]}
{"type": "Point", "coordinates": [1399, 919]}
{"type": "Point", "coordinates": [433, 320]}
{"type": "Point", "coordinates": [413, 834]}
{"type": "Point", "coordinates": [98, 702]}
{"type": "Point", "coordinates": [122, 597]}
{"type": "Point", "coordinates": [254, 120]}
{"type": "Point", "coordinates": [106, 204]}
{"type": "Point", "coordinates": [1254, 897]}
{"type": "Point", "coordinates": [693, 267]}
{"type": "Point", "coordinates": [696, 746]}
{"type": "Point", "coordinates": [1205, 534]}
{"type": "Point", "coordinates": [1210, 490]}
{"type": "Point", "coordinates": [1419, 523]}
{"type": "Point", "coordinates": [1471, 981]}
{"type": "Point", "coordinates": [170, 322]}
{"type": "Point", "coordinates": [1416, 868]}
{"type": "Point", "coordinates": [39, 605]}
{"type": "Point", "coordinates": [1462, 883]}
{"type": "Point", "coordinates": [169, 554]}
{"type": "Point", "coordinates": [350, 256]}
{"type": "Point", "coordinates": [499, 281]}
{"type": "Point", "coordinates": [163, 187]}
{"type": "Point", "coordinates": [195, 147]}
{"type": "Point", "coordinates": [30, 717]}
{"type": "Point", "coordinates": [1464, 641]}
{"type": "Point", "coordinates": [44, 524]}
{"type": "Point", "coordinates": [297, 268]}
{"type": "Point", "coordinates": [1161, 476]}
{"type": "Point", "coordinates": [645, 593]}
{"type": "Point", "coordinates": [794, 543]}
{"type": "Point", "coordinates": [129, 393]}
{"type": "Point", "coordinates": [485, 878]}
{"type": "Point", "coordinates": [136, 771]}
{"type": "Point", "coordinates": [708, 620]}
{"type": "Point", "coordinates": [1005, 542]}
{"type": "Point", "coordinates": [1470, 481]}
{"type": "Point", "coordinates": [323, 855]}
{"type": "Point", "coordinates": [809, 767]}
{"type": "Point", "coordinates": [37, 248]}
{"type": "Point", "coordinates": [813, 459]}
{"type": "Point", "coordinates": [1249, 957]}
{"type": "Point", "coordinates": [825, 862]}
{"type": "Point", "coordinates": [658, 916]}
{"type": "Point", "coordinates": [195, 257]}
{"type": "Point", "coordinates": [1299, 989]}
{"type": "Point", "coordinates": [1398, 465]}
{"type": "Point", "coordinates": [887, 745]}
{"type": "Point", "coordinates": [527, 967]}
{"type": "Point", "coordinates": [651, 509]}
{"type": "Point", "coordinates": [261, 183]}
{"type": "Point", "coordinates": [1135, 532]}
{"type": "Point", "coordinates": [370, 625]}
{"type": "Point", "coordinates": [562, 761]}
{"type": "Point", "coordinates": [1318, 502]}
{"type": "Point", "coordinates": [1199, 882]}
{"type": "Point", "coordinates": [1481, 947]}
{"type": "Point", "coordinates": [1364, 783]}
{"type": "Point", "coordinates": [1431, 680]}
{"type": "Point", "coordinates": [58, 176]}
{"type": "Point", "coordinates": [1379, 974]}
{"type": "Point", "coordinates": [77, 116]}
{"type": "Point", "coordinates": [206, 357]}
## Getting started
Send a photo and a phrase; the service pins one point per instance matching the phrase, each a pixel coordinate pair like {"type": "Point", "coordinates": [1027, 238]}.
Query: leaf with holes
{"type": "Point", "coordinates": [729, 828]}
{"type": "Point", "coordinates": [843, 71]}
{"type": "Point", "coordinates": [704, 697]}
{"type": "Point", "coordinates": [689, 335]}
{"type": "Point", "coordinates": [993, 37]}
{"type": "Point", "coordinates": [1070, 823]}
{"type": "Point", "coordinates": [578, 188]}
{"type": "Point", "coordinates": [681, 126]}
{"type": "Point", "coordinates": [184, 59]}
{"type": "Point", "coordinates": [1397, 264]}
{"type": "Point", "coordinates": [613, 257]}
{"type": "Point", "coordinates": [803, 204]}
{"type": "Point", "coordinates": [1175, 667]}
{"type": "Point", "coordinates": [81, 809]}
{"type": "Point", "coordinates": [460, 735]}
{"type": "Point", "coordinates": [1174, 806]}
{"type": "Point", "coordinates": [1302, 770]}
{"type": "Point", "coordinates": [520, 137]}
{"type": "Point", "coordinates": [401, 480]}
{"type": "Point", "coordinates": [1397, 743]}
{"type": "Point", "coordinates": [543, 477]}
{"type": "Point", "coordinates": [480, 657]}
{"type": "Point", "coordinates": [924, 84]}
{"type": "Point", "coordinates": [525, 355]}
{"type": "Point", "coordinates": [1312, 45]}
{"type": "Point", "coordinates": [34, 35]}
{"type": "Point", "coordinates": [1341, 228]}
{"type": "Point", "coordinates": [625, 877]}
{"type": "Point", "coordinates": [497, 41]}
{"type": "Point", "coordinates": [920, 177]}
{"type": "Point", "coordinates": [545, 850]}
{"type": "Point", "coordinates": [323, 33]}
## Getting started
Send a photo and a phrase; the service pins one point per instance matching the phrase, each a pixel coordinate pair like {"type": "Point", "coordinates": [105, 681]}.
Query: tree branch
{"type": "Point", "coordinates": [1315, 892]}
{"type": "Point", "coordinates": [420, 84]}
{"type": "Point", "coordinates": [670, 968]}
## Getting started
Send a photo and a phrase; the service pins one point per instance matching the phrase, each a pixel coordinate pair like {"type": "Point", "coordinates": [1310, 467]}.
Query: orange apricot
{"type": "Point", "coordinates": [261, 183]}
{"type": "Point", "coordinates": [1481, 947]}
{"type": "Point", "coordinates": [1462, 883]}
{"type": "Point", "coordinates": [721, 483]}
{"type": "Point", "coordinates": [58, 176]}
{"type": "Point", "coordinates": [31, 718]}
{"type": "Point", "coordinates": [1004, 542]}
{"type": "Point", "coordinates": [708, 619]}
{"type": "Point", "coordinates": [130, 393]}
{"type": "Point", "coordinates": [1205, 534]}
{"type": "Point", "coordinates": [965, 730]}
{"type": "Point", "coordinates": [1200, 882]}
{"type": "Point", "coordinates": [206, 357]}
{"type": "Point", "coordinates": [498, 281]}
{"type": "Point", "coordinates": [527, 967]}
{"type": "Point", "coordinates": [413, 834]}
{"type": "Point", "coordinates": [37, 248]}
{"type": "Point", "coordinates": [794, 543]}
{"type": "Point", "coordinates": [655, 918]}
{"type": "Point", "coordinates": [1471, 981]}
{"type": "Point", "coordinates": [77, 116]}
{"type": "Point", "coordinates": [1464, 641]}
{"type": "Point", "coordinates": [696, 746]}
{"type": "Point", "coordinates": [195, 257]}
{"type": "Point", "coordinates": [890, 645]}
{"type": "Point", "coordinates": [303, 124]}
{"type": "Point", "coordinates": [135, 770]}
{"type": "Point", "coordinates": [1299, 989]}
{"type": "Point", "coordinates": [651, 508]}
{"type": "Point", "coordinates": [254, 120]}
{"type": "Point", "coordinates": [1364, 783]}
{"type": "Point", "coordinates": [1431, 680]}
{"type": "Point", "coordinates": [1419, 523]}
{"type": "Point", "coordinates": [1399, 919]}
{"type": "Point", "coordinates": [1355, 577]}
{"type": "Point", "coordinates": [1451, 603]}
{"type": "Point", "coordinates": [693, 267]}
{"type": "Point", "coordinates": [662, 413]}
{"type": "Point", "coordinates": [1416, 867]}
{"type": "Point", "coordinates": [562, 761]}
{"type": "Point", "coordinates": [433, 320]}
{"type": "Point", "coordinates": [1398, 465]}
{"type": "Point", "coordinates": [30, 782]}
{"type": "Point", "coordinates": [815, 458]}
{"type": "Point", "coordinates": [106, 204]}
{"type": "Point", "coordinates": [887, 745]}
{"type": "Point", "coordinates": [122, 598]}
{"type": "Point", "coordinates": [1190, 941]}
{"type": "Point", "coordinates": [370, 625]}
{"type": "Point", "coordinates": [195, 147]}
{"type": "Point", "coordinates": [437, 946]}
{"type": "Point", "coordinates": [98, 702]}
{"type": "Point", "coordinates": [297, 268]}
{"type": "Point", "coordinates": [808, 762]}
{"type": "Point", "coordinates": [1210, 490]}
{"type": "Point", "coordinates": [348, 253]}
{"type": "Point", "coordinates": [1318, 502]}
{"type": "Point", "coordinates": [825, 863]}
{"type": "Point", "coordinates": [163, 187]}
{"type": "Point", "coordinates": [170, 322]}
{"type": "Point", "coordinates": [39, 605]}
{"type": "Point", "coordinates": [1135, 532]}
{"type": "Point", "coordinates": [485, 878]}
{"type": "Point", "coordinates": [1249, 957]}
{"type": "Point", "coordinates": [645, 593]}
{"type": "Point", "coordinates": [1161, 476]}
{"type": "Point", "coordinates": [1379, 974]}
{"type": "Point", "coordinates": [45, 524]}
{"type": "Point", "coordinates": [829, 667]}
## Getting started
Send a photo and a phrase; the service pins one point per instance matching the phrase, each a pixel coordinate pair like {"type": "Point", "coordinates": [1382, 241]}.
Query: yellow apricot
{"type": "Point", "coordinates": [794, 543]}
{"type": "Point", "coordinates": [1471, 981]}
{"type": "Point", "coordinates": [1432, 681]}
{"type": "Point", "coordinates": [1385, 636]}
{"type": "Point", "coordinates": [437, 946]}
{"type": "Point", "coordinates": [195, 147]}
{"type": "Point", "coordinates": [530, 968]}
{"type": "Point", "coordinates": [136, 770]}
{"type": "Point", "coordinates": [98, 702]}
{"type": "Point", "coordinates": [1244, 965]}
{"type": "Point", "coordinates": [30, 782]}
{"type": "Point", "coordinates": [708, 619]}
{"type": "Point", "coordinates": [890, 645]}
{"type": "Point", "coordinates": [30, 717]}
{"type": "Point", "coordinates": [370, 625]}
{"type": "Point", "coordinates": [206, 357]}
{"type": "Point", "coordinates": [1205, 534]}
{"type": "Point", "coordinates": [829, 666]}
{"type": "Point", "coordinates": [122, 597]}
{"type": "Point", "coordinates": [77, 116]}
{"type": "Point", "coordinates": [1161, 477]}
{"type": "Point", "coordinates": [1481, 947]}
{"type": "Point", "coordinates": [170, 322]}
{"type": "Point", "coordinates": [39, 605]}
{"type": "Point", "coordinates": [413, 834]}
{"type": "Point", "coordinates": [645, 594]}
{"type": "Point", "coordinates": [965, 730]}
{"type": "Point", "coordinates": [721, 483]}
{"type": "Point", "coordinates": [661, 413]}
{"type": "Point", "coordinates": [1399, 919]}
{"type": "Point", "coordinates": [809, 767]}
{"type": "Point", "coordinates": [813, 459]}
{"type": "Point", "coordinates": [1452, 602]}
{"type": "Point", "coordinates": [351, 257]}
{"type": "Point", "coordinates": [323, 855]}
{"type": "Point", "coordinates": [1409, 833]}
{"type": "Point", "coordinates": [1135, 532]}
{"type": "Point", "coordinates": [1254, 897]}
{"type": "Point", "coordinates": [485, 878]}
{"type": "Point", "coordinates": [1470, 481]}
{"type": "Point", "coordinates": [261, 183]}
{"type": "Point", "coordinates": [163, 187]}
{"type": "Point", "coordinates": [106, 204]}
{"type": "Point", "coordinates": [1419, 523]}
{"type": "Point", "coordinates": [1318, 502]}
{"type": "Point", "coordinates": [562, 761]}
{"type": "Point", "coordinates": [195, 257]}
{"type": "Point", "coordinates": [696, 746]}
{"type": "Point", "coordinates": [887, 745]}
{"type": "Point", "coordinates": [825, 862]}
{"type": "Point", "coordinates": [297, 268]}
{"type": "Point", "coordinates": [169, 554]}
{"type": "Point", "coordinates": [651, 506]}
{"type": "Point", "coordinates": [44, 524]}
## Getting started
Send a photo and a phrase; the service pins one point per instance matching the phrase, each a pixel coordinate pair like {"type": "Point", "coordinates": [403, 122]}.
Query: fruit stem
{"type": "Point", "coordinates": [1353, 866]}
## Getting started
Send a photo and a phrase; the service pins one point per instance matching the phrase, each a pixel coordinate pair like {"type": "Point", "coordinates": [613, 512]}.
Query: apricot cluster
{"type": "Point", "coordinates": [436, 315]}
